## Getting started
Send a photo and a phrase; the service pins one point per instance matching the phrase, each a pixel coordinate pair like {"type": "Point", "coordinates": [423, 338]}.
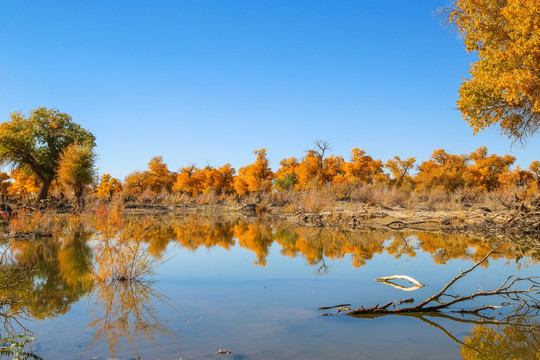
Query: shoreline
{"type": "Point", "coordinates": [479, 221]}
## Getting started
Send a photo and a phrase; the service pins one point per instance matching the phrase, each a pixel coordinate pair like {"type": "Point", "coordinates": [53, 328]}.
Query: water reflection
{"type": "Point", "coordinates": [56, 272]}
{"type": "Point", "coordinates": [12, 278]}
{"type": "Point", "coordinates": [500, 342]}
{"type": "Point", "coordinates": [124, 298]}
{"type": "Point", "coordinates": [127, 311]}
{"type": "Point", "coordinates": [318, 244]}
{"type": "Point", "coordinates": [102, 257]}
{"type": "Point", "coordinates": [516, 336]}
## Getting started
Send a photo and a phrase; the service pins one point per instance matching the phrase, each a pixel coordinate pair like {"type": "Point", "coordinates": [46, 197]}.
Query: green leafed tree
{"type": "Point", "coordinates": [36, 142]}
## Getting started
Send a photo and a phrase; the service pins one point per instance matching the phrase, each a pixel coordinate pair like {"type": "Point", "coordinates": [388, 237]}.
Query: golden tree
{"type": "Point", "coordinates": [504, 86]}
{"type": "Point", "coordinates": [309, 172]}
{"type": "Point", "coordinates": [158, 177]}
{"type": "Point", "coordinates": [154, 180]}
{"type": "Point", "coordinates": [24, 184]}
{"type": "Point", "coordinates": [108, 187]}
{"type": "Point", "coordinates": [534, 169]}
{"type": "Point", "coordinates": [333, 167]}
{"type": "Point", "coordinates": [442, 170]}
{"type": "Point", "coordinates": [286, 174]}
{"type": "Point", "coordinates": [485, 171]}
{"type": "Point", "coordinates": [76, 170]}
{"type": "Point", "coordinates": [227, 178]}
{"type": "Point", "coordinates": [362, 168]}
{"type": "Point", "coordinates": [218, 180]}
{"type": "Point", "coordinates": [189, 180]}
{"type": "Point", "coordinates": [134, 183]}
{"type": "Point", "coordinates": [517, 181]}
{"type": "Point", "coordinates": [256, 177]}
{"type": "Point", "coordinates": [400, 170]}
{"type": "Point", "coordinates": [312, 170]}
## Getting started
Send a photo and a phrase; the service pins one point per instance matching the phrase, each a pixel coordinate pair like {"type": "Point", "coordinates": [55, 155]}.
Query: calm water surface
{"type": "Point", "coordinates": [255, 289]}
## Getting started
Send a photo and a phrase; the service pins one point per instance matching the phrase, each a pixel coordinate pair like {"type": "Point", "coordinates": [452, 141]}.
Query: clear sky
{"type": "Point", "coordinates": [208, 82]}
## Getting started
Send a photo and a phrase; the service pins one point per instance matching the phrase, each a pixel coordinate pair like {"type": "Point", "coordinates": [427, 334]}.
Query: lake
{"type": "Point", "coordinates": [201, 285]}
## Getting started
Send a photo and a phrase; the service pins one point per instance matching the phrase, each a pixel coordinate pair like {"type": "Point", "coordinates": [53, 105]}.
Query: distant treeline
{"type": "Point", "coordinates": [447, 172]}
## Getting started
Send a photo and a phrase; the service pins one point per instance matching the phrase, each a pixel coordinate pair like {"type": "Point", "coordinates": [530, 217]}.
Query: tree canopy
{"type": "Point", "coordinates": [504, 83]}
{"type": "Point", "coordinates": [36, 142]}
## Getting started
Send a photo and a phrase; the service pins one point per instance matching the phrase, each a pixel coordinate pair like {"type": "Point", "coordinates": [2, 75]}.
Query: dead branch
{"type": "Point", "coordinates": [508, 289]}
{"type": "Point", "coordinates": [386, 280]}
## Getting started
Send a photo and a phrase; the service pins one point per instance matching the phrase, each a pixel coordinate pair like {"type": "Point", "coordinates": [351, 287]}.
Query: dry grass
{"type": "Point", "coordinates": [329, 197]}
{"type": "Point", "coordinates": [332, 196]}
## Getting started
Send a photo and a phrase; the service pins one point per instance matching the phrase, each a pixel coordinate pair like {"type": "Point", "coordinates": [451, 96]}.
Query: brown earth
{"type": "Point", "coordinates": [478, 221]}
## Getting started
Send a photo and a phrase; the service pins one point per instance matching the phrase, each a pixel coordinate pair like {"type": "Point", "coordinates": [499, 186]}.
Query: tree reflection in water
{"type": "Point", "coordinates": [114, 259]}
{"type": "Point", "coordinates": [515, 336]}
{"type": "Point", "coordinates": [42, 277]}
{"type": "Point", "coordinates": [501, 342]}
{"type": "Point", "coordinates": [126, 310]}
{"type": "Point", "coordinates": [13, 278]}
{"type": "Point", "coordinates": [124, 299]}
{"type": "Point", "coordinates": [317, 245]}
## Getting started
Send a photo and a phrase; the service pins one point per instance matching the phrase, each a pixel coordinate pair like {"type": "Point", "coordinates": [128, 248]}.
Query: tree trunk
{"type": "Point", "coordinates": [44, 190]}
{"type": "Point", "coordinates": [79, 200]}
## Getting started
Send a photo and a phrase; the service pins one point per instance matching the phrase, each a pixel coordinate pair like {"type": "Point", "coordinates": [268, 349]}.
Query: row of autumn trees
{"type": "Point", "coordinates": [448, 172]}
{"type": "Point", "coordinates": [48, 152]}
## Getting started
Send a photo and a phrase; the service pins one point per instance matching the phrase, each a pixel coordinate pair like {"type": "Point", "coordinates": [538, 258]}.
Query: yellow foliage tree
{"type": "Point", "coordinates": [400, 170]}
{"type": "Point", "coordinates": [333, 167]}
{"type": "Point", "coordinates": [286, 174]}
{"type": "Point", "coordinates": [155, 179]}
{"type": "Point", "coordinates": [158, 177]}
{"type": "Point", "coordinates": [190, 181]}
{"type": "Point", "coordinates": [24, 184]}
{"type": "Point", "coordinates": [218, 180]}
{"type": "Point", "coordinates": [256, 177]}
{"type": "Point", "coordinates": [312, 170]}
{"type": "Point", "coordinates": [134, 183]}
{"type": "Point", "coordinates": [76, 170]}
{"type": "Point", "coordinates": [534, 169]}
{"type": "Point", "coordinates": [362, 168]}
{"type": "Point", "coordinates": [517, 181]}
{"type": "Point", "coordinates": [485, 171]}
{"type": "Point", "coordinates": [108, 187]}
{"type": "Point", "coordinates": [442, 170]}
{"type": "Point", "coordinates": [309, 172]}
{"type": "Point", "coordinates": [504, 87]}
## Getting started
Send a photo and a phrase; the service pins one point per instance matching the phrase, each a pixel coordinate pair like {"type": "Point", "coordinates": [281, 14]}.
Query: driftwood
{"type": "Point", "coordinates": [525, 218]}
{"type": "Point", "coordinates": [435, 303]}
{"type": "Point", "coordinates": [387, 280]}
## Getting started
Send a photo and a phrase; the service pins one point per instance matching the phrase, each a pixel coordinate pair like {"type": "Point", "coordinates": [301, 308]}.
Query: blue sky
{"type": "Point", "coordinates": [208, 82]}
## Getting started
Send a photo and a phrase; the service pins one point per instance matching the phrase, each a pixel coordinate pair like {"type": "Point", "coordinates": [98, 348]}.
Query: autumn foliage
{"type": "Point", "coordinates": [317, 171]}
{"type": "Point", "coordinates": [504, 83]}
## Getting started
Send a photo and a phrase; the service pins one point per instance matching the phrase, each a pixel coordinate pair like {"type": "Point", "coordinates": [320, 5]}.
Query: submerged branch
{"type": "Point", "coordinates": [507, 289]}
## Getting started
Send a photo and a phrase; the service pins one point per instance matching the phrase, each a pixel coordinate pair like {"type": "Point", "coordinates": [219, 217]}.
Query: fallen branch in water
{"type": "Point", "coordinates": [507, 289]}
{"type": "Point", "coordinates": [386, 280]}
